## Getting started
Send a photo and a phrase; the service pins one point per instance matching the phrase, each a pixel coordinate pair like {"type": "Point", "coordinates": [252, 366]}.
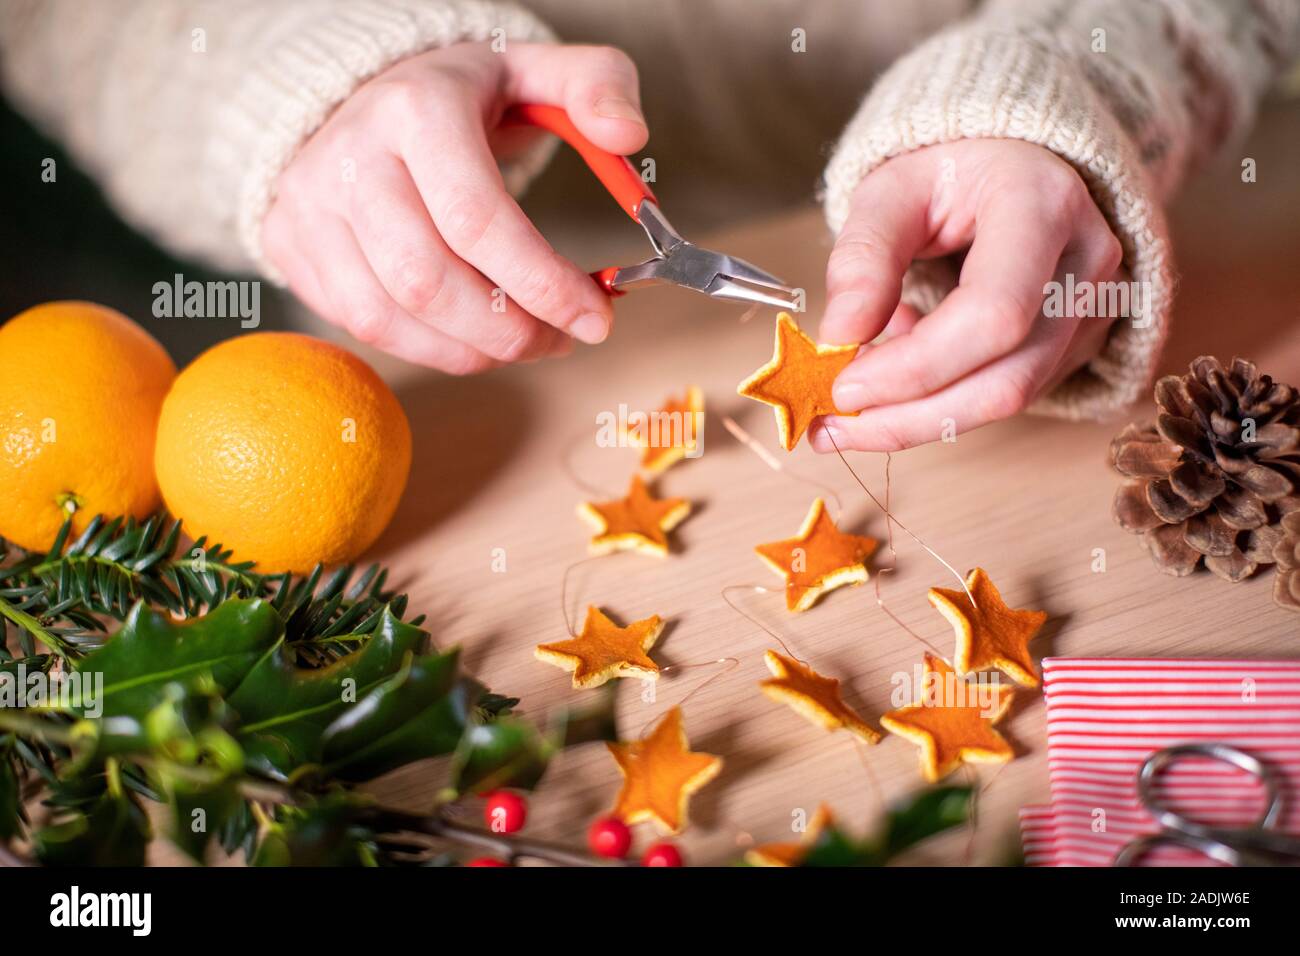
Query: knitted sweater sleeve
{"type": "Point", "coordinates": [1132, 94]}
{"type": "Point", "coordinates": [187, 111]}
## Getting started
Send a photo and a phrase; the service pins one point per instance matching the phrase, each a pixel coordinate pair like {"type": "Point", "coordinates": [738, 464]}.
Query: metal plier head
{"type": "Point", "coordinates": [676, 261]}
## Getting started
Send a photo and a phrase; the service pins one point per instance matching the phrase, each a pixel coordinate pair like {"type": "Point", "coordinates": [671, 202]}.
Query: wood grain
{"type": "Point", "coordinates": [498, 459]}
{"type": "Point", "coordinates": [497, 466]}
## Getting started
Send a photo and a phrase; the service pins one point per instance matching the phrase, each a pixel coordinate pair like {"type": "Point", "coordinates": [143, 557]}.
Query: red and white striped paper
{"type": "Point", "coordinates": [1106, 716]}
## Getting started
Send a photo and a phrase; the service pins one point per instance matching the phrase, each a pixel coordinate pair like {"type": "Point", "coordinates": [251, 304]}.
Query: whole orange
{"type": "Point", "coordinates": [80, 390]}
{"type": "Point", "coordinates": [288, 450]}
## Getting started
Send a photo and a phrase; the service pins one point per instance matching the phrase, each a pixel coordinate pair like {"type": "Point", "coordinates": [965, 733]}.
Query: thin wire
{"type": "Point", "coordinates": [858, 746]}
{"type": "Point", "coordinates": [880, 603]}
{"type": "Point", "coordinates": [730, 664]}
{"type": "Point", "coordinates": [564, 588]}
{"type": "Point", "coordinates": [758, 589]}
{"type": "Point", "coordinates": [890, 517]}
{"type": "Point", "coordinates": [566, 465]}
{"type": "Point", "coordinates": [767, 458]}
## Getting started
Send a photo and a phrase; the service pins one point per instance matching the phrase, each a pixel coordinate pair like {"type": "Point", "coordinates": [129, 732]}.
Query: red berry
{"type": "Point", "coordinates": [486, 861]}
{"type": "Point", "coordinates": [662, 854]}
{"type": "Point", "coordinates": [505, 812]}
{"type": "Point", "coordinates": [609, 837]}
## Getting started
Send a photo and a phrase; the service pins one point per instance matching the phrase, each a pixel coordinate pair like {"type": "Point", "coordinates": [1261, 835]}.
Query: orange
{"type": "Point", "coordinates": [288, 450]}
{"type": "Point", "coordinates": [80, 389]}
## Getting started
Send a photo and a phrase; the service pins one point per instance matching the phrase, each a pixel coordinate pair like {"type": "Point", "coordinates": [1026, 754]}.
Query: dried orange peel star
{"type": "Point", "coordinates": [952, 720]}
{"type": "Point", "coordinates": [672, 433]}
{"type": "Point", "coordinates": [818, 559]}
{"type": "Point", "coordinates": [604, 650]}
{"type": "Point", "coordinates": [638, 522]}
{"type": "Point", "coordinates": [660, 772]}
{"type": "Point", "coordinates": [813, 696]}
{"type": "Point", "coordinates": [792, 854]}
{"type": "Point", "coordinates": [797, 381]}
{"type": "Point", "coordinates": [989, 634]}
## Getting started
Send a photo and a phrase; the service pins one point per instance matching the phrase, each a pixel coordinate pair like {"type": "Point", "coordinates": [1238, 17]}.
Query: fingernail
{"type": "Point", "coordinates": [615, 107]}
{"type": "Point", "coordinates": [850, 396]}
{"type": "Point", "coordinates": [590, 328]}
{"type": "Point", "coordinates": [820, 436]}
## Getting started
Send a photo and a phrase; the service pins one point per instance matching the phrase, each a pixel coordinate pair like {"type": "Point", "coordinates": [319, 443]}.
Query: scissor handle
{"type": "Point", "coordinates": [1250, 845]}
{"type": "Point", "coordinates": [616, 173]}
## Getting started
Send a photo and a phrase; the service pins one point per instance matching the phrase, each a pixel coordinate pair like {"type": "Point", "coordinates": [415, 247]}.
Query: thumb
{"type": "Point", "coordinates": [597, 86]}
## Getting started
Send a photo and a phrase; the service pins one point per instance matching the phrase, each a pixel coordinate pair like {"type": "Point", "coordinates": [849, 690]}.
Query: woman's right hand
{"type": "Point", "coordinates": [393, 220]}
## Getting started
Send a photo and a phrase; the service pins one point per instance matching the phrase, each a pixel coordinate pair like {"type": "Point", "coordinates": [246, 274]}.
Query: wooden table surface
{"type": "Point", "coordinates": [498, 458]}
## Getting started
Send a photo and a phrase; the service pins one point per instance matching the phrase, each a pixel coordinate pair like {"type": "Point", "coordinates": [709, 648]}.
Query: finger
{"type": "Point", "coordinates": [462, 189]}
{"type": "Point", "coordinates": [358, 301]}
{"type": "Point", "coordinates": [1000, 390]}
{"type": "Point", "coordinates": [282, 249]}
{"type": "Point", "coordinates": [901, 322]}
{"type": "Point", "coordinates": [429, 281]}
{"type": "Point", "coordinates": [885, 230]}
{"type": "Point", "coordinates": [992, 310]}
{"type": "Point", "coordinates": [1089, 338]}
{"type": "Point", "coordinates": [1086, 344]}
{"type": "Point", "coordinates": [597, 86]}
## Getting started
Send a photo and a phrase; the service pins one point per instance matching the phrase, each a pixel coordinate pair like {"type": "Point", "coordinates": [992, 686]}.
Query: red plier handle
{"type": "Point", "coordinates": [616, 173]}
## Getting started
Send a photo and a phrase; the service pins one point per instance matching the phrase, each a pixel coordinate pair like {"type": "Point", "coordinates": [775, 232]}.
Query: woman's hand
{"type": "Point", "coordinates": [987, 351]}
{"type": "Point", "coordinates": [393, 221]}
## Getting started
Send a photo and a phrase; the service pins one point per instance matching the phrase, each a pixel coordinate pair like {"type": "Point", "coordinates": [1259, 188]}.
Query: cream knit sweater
{"type": "Point", "coordinates": [187, 110]}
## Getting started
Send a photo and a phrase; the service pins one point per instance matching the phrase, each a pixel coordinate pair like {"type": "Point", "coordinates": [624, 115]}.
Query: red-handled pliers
{"type": "Point", "coordinates": [676, 261]}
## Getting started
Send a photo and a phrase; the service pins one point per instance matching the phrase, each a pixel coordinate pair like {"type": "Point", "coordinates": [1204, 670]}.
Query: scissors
{"type": "Point", "coordinates": [1256, 845]}
{"type": "Point", "coordinates": [676, 261]}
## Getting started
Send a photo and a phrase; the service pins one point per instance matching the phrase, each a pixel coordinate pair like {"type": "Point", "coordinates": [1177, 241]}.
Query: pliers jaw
{"type": "Point", "coordinates": [682, 263]}
{"type": "Point", "coordinates": [676, 261]}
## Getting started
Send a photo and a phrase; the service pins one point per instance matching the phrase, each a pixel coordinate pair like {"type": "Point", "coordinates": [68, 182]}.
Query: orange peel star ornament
{"type": "Point", "coordinates": [672, 433]}
{"type": "Point", "coordinates": [813, 696]}
{"type": "Point", "coordinates": [792, 854]}
{"type": "Point", "coordinates": [989, 634]}
{"type": "Point", "coordinates": [638, 522]}
{"type": "Point", "coordinates": [818, 559]}
{"type": "Point", "coordinates": [660, 772]}
{"type": "Point", "coordinates": [604, 650]}
{"type": "Point", "coordinates": [797, 381]}
{"type": "Point", "coordinates": [950, 722]}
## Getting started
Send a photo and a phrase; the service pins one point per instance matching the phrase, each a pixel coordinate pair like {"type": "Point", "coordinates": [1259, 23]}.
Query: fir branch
{"type": "Point", "coordinates": [61, 598]}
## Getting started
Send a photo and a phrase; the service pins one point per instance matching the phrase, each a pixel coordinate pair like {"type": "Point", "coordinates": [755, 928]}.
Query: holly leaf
{"type": "Point", "coordinates": [195, 766]}
{"type": "Point", "coordinates": [112, 831]}
{"type": "Point", "coordinates": [924, 816]}
{"type": "Point", "coordinates": [151, 650]}
{"type": "Point", "coordinates": [284, 709]}
{"type": "Point", "coordinates": [916, 819]}
{"type": "Point", "coordinates": [417, 713]}
{"type": "Point", "coordinates": [325, 833]}
{"type": "Point", "coordinates": [508, 752]}
{"type": "Point", "coordinates": [587, 722]}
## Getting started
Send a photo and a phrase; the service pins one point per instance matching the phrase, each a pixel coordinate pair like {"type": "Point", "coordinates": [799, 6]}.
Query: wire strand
{"type": "Point", "coordinates": [767, 458]}
{"type": "Point", "coordinates": [758, 589]}
{"type": "Point", "coordinates": [730, 664]}
{"type": "Point", "coordinates": [889, 516]}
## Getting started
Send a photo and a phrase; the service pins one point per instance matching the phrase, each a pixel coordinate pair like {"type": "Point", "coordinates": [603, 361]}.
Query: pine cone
{"type": "Point", "coordinates": [1286, 583]}
{"type": "Point", "coordinates": [1215, 474]}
